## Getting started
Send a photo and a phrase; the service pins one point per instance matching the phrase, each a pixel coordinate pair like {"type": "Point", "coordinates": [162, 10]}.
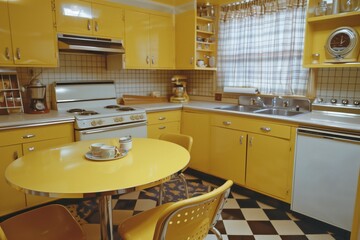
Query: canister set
{"type": "Point", "coordinates": [336, 6]}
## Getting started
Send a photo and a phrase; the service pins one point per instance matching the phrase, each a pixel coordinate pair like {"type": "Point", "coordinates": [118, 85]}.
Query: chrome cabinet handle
{"type": "Point", "coordinates": [241, 139]}
{"type": "Point", "coordinates": [227, 123]}
{"type": "Point", "coordinates": [162, 127]}
{"type": "Point", "coordinates": [7, 53]}
{"type": "Point", "coordinates": [96, 26]}
{"type": "Point", "coordinates": [31, 149]}
{"type": "Point", "coordinates": [152, 60]}
{"type": "Point", "coordinates": [265, 129]}
{"type": "Point", "coordinates": [191, 60]}
{"type": "Point", "coordinates": [147, 59]}
{"type": "Point", "coordinates": [28, 136]}
{"type": "Point", "coordinates": [88, 25]}
{"type": "Point", "coordinates": [162, 118]}
{"type": "Point", "coordinates": [15, 155]}
{"type": "Point", "coordinates": [251, 141]}
{"type": "Point", "coordinates": [18, 53]}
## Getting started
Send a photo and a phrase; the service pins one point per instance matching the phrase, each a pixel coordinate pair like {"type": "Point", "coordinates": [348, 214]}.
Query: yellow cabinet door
{"type": "Point", "coordinates": [197, 125]}
{"type": "Point", "coordinates": [74, 17]}
{"type": "Point", "coordinates": [228, 154]}
{"type": "Point", "coordinates": [108, 21]}
{"type": "Point", "coordinates": [11, 199]}
{"type": "Point", "coordinates": [162, 43]}
{"type": "Point", "coordinates": [185, 40]}
{"type": "Point", "coordinates": [32, 200]}
{"type": "Point", "coordinates": [137, 40]}
{"type": "Point", "coordinates": [33, 33]}
{"type": "Point", "coordinates": [6, 56]}
{"type": "Point", "coordinates": [268, 165]}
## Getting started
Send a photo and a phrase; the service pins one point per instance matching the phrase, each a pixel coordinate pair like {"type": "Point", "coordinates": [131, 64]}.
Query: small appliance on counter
{"type": "Point", "coordinates": [35, 98]}
{"type": "Point", "coordinates": [179, 89]}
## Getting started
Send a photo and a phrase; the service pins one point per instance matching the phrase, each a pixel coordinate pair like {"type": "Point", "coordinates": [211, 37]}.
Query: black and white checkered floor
{"type": "Point", "coordinates": [242, 218]}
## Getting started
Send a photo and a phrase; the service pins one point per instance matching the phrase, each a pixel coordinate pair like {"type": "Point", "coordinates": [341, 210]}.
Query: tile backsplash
{"type": "Point", "coordinates": [88, 67]}
{"type": "Point", "coordinates": [339, 83]}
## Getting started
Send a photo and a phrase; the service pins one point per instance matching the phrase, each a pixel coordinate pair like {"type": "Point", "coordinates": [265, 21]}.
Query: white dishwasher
{"type": "Point", "coordinates": [325, 176]}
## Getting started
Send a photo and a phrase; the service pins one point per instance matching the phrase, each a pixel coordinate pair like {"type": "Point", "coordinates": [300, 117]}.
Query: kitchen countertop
{"type": "Point", "coordinates": [322, 119]}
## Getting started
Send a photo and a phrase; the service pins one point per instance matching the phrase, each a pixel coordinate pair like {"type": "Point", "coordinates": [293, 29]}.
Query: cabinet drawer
{"type": "Point", "coordinates": [268, 128]}
{"type": "Point", "coordinates": [155, 130]}
{"type": "Point", "coordinates": [230, 122]}
{"type": "Point", "coordinates": [32, 134]}
{"type": "Point", "coordinates": [251, 125]}
{"type": "Point", "coordinates": [166, 116]}
{"type": "Point", "coordinates": [34, 146]}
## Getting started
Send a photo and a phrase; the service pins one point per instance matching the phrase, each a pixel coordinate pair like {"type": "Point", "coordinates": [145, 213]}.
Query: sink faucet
{"type": "Point", "coordinates": [258, 101]}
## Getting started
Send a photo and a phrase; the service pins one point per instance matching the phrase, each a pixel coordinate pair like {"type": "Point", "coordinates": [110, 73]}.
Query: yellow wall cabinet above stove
{"type": "Point", "coordinates": [149, 41]}
{"type": "Point", "coordinates": [27, 33]}
{"type": "Point", "coordinates": [89, 19]}
{"type": "Point", "coordinates": [18, 142]}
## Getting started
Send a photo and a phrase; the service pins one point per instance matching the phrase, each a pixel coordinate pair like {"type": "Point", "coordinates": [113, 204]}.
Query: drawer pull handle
{"type": "Point", "coordinates": [31, 149]}
{"type": "Point", "coordinates": [162, 127]}
{"type": "Point", "coordinates": [96, 26]}
{"type": "Point", "coordinates": [88, 25]}
{"type": "Point", "coordinates": [265, 129]}
{"type": "Point", "coordinates": [226, 123]}
{"type": "Point", "coordinates": [251, 141]}
{"type": "Point", "coordinates": [28, 136]}
{"type": "Point", "coordinates": [7, 53]}
{"type": "Point", "coordinates": [241, 139]}
{"type": "Point", "coordinates": [162, 118]}
{"type": "Point", "coordinates": [18, 53]}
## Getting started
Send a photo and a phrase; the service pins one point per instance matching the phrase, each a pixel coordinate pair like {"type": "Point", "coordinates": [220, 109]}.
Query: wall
{"type": "Point", "coordinates": [85, 67]}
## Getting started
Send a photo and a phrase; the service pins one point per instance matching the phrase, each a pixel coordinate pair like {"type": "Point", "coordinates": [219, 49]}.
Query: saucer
{"type": "Point", "coordinates": [89, 156]}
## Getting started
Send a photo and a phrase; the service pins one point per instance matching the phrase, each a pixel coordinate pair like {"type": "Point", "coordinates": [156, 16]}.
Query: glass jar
{"type": "Point", "coordinates": [321, 9]}
{"type": "Point", "coordinates": [349, 5]}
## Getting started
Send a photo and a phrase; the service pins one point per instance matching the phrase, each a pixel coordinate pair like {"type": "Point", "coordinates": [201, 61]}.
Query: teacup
{"type": "Point", "coordinates": [107, 151]}
{"type": "Point", "coordinates": [95, 149]}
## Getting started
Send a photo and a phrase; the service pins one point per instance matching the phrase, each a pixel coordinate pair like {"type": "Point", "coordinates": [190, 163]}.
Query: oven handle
{"type": "Point", "coordinates": [117, 127]}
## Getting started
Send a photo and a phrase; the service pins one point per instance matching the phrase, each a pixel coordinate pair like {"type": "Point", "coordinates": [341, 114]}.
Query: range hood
{"type": "Point", "coordinates": [72, 43]}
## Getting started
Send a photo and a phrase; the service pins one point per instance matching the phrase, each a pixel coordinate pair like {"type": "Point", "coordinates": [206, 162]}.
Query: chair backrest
{"type": "Point", "coordinates": [51, 222]}
{"type": "Point", "coordinates": [180, 139]}
{"type": "Point", "coordinates": [192, 218]}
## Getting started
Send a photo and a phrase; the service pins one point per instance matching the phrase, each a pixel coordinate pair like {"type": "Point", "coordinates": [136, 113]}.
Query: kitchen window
{"type": "Point", "coordinates": [261, 45]}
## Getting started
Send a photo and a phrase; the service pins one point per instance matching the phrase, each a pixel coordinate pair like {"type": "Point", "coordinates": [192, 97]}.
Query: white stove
{"type": "Point", "coordinates": [96, 112]}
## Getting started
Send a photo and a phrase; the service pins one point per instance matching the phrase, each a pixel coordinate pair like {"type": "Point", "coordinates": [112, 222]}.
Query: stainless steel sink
{"type": "Point", "coordinates": [278, 112]}
{"type": "Point", "coordinates": [240, 108]}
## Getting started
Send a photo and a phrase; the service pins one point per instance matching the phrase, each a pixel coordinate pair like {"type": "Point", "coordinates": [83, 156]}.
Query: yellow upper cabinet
{"type": "Point", "coordinates": [149, 41]}
{"type": "Point", "coordinates": [27, 32]}
{"type": "Point", "coordinates": [89, 19]}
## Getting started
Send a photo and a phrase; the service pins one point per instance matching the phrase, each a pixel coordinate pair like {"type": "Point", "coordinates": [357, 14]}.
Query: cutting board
{"type": "Point", "coordinates": [136, 99]}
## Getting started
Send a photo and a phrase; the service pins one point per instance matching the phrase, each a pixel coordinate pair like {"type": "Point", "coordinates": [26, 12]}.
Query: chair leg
{"type": "Point", "coordinates": [216, 232]}
{"type": "Point", "coordinates": [161, 191]}
{"type": "Point", "coordinates": [183, 179]}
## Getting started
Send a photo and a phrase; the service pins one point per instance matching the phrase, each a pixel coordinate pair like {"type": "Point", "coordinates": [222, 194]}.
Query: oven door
{"type": "Point", "coordinates": [133, 129]}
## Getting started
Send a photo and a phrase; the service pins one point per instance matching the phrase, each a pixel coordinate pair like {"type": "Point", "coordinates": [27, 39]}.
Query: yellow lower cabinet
{"type": "Point", "coordinates": [228, 154]}
{"type": "Point", "coordinates": [32, 200]}
{"type": "Point", "coordinates": [268, 165]}
{"type": "Point", "coordinates": [197, 125]}
{"type": "Point", "coordinates": [163, 122]}
{"type": "Point", "coordinates": [11, 200]}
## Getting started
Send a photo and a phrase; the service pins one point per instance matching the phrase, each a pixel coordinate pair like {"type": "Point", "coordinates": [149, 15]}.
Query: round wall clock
{"type": "Point", "coordinates": [342, 45]}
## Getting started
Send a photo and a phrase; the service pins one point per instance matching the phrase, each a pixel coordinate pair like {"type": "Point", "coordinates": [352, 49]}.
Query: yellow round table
{"type": "Point", "coordinates": [65, 172]}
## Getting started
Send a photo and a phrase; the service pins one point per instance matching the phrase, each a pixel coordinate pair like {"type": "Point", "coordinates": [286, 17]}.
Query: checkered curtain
{"type": "Point", "coordinates": [260, 45]}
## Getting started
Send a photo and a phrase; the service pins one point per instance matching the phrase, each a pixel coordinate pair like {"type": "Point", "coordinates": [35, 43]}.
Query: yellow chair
{"type": "Point", "coordinates": [51, 222]}
{"type": "Point", "coordinates": [186, 219]}
{"type": "Point", "coordinates": [186, 142]}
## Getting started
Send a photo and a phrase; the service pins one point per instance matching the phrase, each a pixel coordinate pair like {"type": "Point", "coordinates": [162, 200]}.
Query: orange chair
{"type": "Point", "coordinates": [186, 219]}
{"type": "Point", "coordinates": [51, 222]}
{"type": "Point", "coordinates": [186, 142]}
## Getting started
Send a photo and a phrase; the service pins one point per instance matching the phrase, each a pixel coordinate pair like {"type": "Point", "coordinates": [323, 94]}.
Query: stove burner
{"type": "Point", "coordinates": [75, 110]}
{"type": "Point", "coordinates": [88, 113]}
{"type": "Point", "coordinates": [113, 106]}
{"type": "Point", "coordinates": [125, 109]}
